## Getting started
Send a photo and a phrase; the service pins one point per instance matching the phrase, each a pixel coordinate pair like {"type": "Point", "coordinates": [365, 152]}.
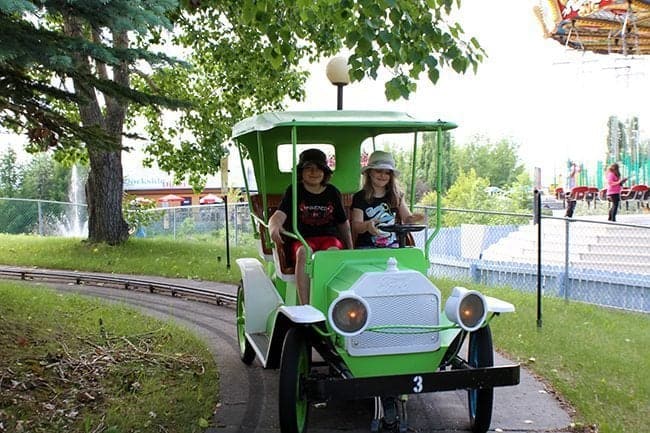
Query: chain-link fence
{"type": "Point", "coordinates": [42, 217]}
{"type": "Point", "coordinates": [586, 259]}
{"type": "Point", "coordinates": [590, 259]}
{"type": "Point", "coordinates": [52, 218]}
{"type": "Point", "coordinates": [183, 222]}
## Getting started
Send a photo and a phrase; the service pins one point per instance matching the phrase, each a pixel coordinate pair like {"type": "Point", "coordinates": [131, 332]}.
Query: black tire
{"type": "Point", "coordinates": [246, 352]}
{"type": "Point", "coordinates": [294, 369]}
{"type": "Point", "coordinates": [480, 354]}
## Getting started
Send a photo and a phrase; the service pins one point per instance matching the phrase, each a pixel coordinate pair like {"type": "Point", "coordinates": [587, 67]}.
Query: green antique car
{"type": "Point", "coordinates": [376, 326]}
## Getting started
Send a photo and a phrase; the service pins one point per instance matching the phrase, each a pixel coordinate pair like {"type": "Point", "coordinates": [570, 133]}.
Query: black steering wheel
{"type": "Point", "coordinates": [401, 230]}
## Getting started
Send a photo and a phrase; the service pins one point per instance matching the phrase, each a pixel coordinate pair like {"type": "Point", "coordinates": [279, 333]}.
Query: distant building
{"type": "Point", "coordinates": [155, 184]}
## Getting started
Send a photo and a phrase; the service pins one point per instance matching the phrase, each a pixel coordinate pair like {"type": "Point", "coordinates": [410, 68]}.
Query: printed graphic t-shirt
{"type": "Point", "coordinates": [377, 208]}
{"type": "Point", "coordinates": [318, 214]}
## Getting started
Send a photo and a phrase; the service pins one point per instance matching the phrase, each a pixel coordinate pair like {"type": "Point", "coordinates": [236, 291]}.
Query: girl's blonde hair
{"type": "Point", "coordinates": [393, 190]}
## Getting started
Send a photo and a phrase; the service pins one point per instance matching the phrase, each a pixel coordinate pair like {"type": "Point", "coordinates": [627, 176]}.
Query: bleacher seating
{"type": "Point", "coordinates": [600, 247]}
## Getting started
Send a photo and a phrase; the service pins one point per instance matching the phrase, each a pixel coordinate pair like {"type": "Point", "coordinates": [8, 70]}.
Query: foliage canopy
{"type": "Point", "coordinates": [249, 56]}
{"type": "Point", "coordinates": [70, 69]}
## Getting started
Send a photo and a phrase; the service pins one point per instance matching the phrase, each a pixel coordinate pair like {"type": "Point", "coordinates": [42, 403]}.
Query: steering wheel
{"type": "Point", "coordinates": [401, 230]}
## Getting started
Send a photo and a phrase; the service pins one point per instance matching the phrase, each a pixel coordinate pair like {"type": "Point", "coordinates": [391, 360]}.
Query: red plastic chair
{"type": "Point", "coordinates": [635, 193]}
{"type": "Point", "coordinates": [603, 194]}
{"type": "Point", "coordinates": [578, 193]}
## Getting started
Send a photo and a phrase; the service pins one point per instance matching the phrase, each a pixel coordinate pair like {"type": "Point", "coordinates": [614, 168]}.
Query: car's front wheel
{"type": "Point", "coordinates": [480, 354]}
{"type": "Point", "coordinates": [246, 352]}
{"type": "Point", "coordinates": [294, 370]}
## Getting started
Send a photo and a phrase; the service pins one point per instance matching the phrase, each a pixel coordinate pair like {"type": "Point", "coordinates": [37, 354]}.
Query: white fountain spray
{"type": "Point", "coordinates": [76, 225]}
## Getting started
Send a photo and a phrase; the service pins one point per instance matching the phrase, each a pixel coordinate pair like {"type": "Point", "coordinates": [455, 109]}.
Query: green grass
{"type": "Point", "coordinates": [596, 358]}
{"type": "Point", "coordinates": [199, 259]}
{"type": "Point", "coordinates": [72, 363]}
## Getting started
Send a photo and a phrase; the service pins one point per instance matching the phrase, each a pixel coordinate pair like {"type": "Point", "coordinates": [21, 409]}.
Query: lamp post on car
{"type": "Point", "coordinates": [337, 72]}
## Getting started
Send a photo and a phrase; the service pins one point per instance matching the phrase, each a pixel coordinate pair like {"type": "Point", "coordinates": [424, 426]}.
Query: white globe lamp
{"type": "Point", "coordinates": [337, 72]}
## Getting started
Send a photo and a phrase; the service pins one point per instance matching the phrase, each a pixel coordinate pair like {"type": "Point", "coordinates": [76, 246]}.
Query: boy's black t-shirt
{"type": "Point", "coordinates": [377, 208]}
{"type": "Point", "coordinates": [318, 214]}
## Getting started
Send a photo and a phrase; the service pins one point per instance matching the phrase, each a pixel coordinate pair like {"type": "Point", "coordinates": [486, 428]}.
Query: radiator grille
{"type": "Point", "coordinates": [405, 309]}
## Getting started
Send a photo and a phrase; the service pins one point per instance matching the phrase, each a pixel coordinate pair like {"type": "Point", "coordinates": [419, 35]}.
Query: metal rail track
{"type": "Point", "coordinates": [122, 282]}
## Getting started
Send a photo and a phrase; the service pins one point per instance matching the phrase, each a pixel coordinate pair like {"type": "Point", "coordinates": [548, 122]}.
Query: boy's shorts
{"type": "Point", "coordinates": [319, 243]}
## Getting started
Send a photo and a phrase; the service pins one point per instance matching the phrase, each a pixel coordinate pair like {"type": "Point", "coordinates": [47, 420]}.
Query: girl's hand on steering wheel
{"type": "Point", "coordinates": [371, 227]}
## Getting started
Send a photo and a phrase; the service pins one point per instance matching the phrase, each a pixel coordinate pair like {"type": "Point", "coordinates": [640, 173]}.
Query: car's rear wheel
{"type": "Point", "coordinates": [294, 370]}
{"type": "Point", "coordinates": [480, 354]}
{"type": "Point", "coordinates": [246, 352]}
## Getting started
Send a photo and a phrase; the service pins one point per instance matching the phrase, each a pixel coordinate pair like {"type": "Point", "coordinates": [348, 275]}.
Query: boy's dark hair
{"type": "Point", "coordinates": [318, 158]}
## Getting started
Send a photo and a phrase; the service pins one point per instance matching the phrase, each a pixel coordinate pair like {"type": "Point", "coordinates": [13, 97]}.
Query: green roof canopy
{"type": "Point", "coordinates": [345, 130]}
{"type": "Point", "coordinates": [375, 122]}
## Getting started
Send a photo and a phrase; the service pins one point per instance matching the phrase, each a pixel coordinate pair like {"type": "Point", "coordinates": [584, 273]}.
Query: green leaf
{"type": "Point", "coordinates": [357, 74]}
{"type": "Point", "coordinates": [203, 423]}
{"type": "Point", "coordinates": [459, 64]}
{"type": "Point", "coordinates": [392, 90]}
{"type": "Point", "coordinates": [434, 75]}
{"type": "Point", "coordinates": [364, 45]}
{"type": "Point", "coordinates": [389, 60]}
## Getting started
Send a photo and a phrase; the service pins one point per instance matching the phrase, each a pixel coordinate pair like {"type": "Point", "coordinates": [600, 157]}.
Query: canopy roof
{"type": "Point", "coordinates": [170, 197]}
{"type": "Point", "coordinates": [375, 122]}
{"type": "Point", "coordinates": [262, 135]}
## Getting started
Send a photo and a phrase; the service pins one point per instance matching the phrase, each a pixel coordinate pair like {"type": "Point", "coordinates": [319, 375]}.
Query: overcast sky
{"type": "Point", "coordinates": [552, 101]}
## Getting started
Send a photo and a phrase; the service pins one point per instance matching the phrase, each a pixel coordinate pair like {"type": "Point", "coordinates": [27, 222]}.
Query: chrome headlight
{"type": "Point", "coordinates": [349, 314]}
{"type": "Point", "coordinates": [467, 308]}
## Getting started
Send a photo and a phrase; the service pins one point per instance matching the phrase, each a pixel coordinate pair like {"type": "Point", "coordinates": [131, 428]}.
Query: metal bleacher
{"type": "Point", "coordinates": [603, 247]}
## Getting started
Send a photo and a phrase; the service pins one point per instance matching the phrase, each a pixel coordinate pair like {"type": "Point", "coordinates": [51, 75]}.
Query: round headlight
{"type": "Point", "coordinates": [349, 315]}
{"type": "Point", "coordinates": [471, 311]}
{"type": "Point", "coordinates": [467, 308]}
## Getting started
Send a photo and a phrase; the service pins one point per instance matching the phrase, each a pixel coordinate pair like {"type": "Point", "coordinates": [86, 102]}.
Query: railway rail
{"type": "Point", "coordinates": [121, 282]}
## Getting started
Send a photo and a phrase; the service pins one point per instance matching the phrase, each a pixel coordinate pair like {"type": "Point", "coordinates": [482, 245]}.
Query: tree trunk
{"type": "Point", "coordinates": [104, 196]}
{"type": "Point", "coordinates": [104, 187]}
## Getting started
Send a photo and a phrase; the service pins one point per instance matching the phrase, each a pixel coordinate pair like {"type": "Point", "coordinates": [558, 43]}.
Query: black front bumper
{"type": "Point", "coordinates": [359, 388]}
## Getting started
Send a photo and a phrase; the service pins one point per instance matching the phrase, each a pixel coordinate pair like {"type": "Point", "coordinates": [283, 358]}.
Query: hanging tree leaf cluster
{"type": "Point", "coordinates": [250, 56]}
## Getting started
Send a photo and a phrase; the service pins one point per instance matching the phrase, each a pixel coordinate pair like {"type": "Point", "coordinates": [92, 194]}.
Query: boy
{"type": "Point", "coordinates": [321, 215]}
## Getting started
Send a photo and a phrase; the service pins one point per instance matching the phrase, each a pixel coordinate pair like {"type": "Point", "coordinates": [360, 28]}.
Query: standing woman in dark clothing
{"type": "Point", "coordinates": [614, 182]}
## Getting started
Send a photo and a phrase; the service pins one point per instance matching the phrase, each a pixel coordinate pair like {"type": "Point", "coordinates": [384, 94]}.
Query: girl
{"type": "Point", "coordinates": [614, 182]}
{"type": "Point", "coordinates": [380, 201]}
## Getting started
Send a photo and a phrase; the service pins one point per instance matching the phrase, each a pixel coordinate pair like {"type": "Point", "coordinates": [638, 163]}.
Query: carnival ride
{"type": "Point", "coordinates": [600, 26]}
